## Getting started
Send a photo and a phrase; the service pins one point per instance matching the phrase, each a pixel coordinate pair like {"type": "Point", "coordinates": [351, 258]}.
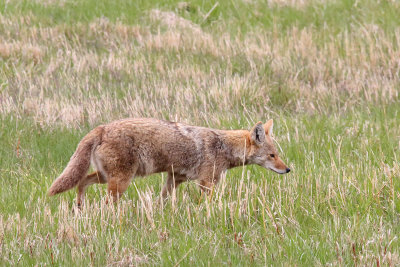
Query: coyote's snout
{"type": "Point", "coordinates": [126, 148]}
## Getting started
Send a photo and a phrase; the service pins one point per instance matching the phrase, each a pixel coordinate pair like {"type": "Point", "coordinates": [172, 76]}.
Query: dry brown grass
{"type": "Point", "coordinates": [46, 66]}
{"type": "Point", "coordinates": [297, 3]}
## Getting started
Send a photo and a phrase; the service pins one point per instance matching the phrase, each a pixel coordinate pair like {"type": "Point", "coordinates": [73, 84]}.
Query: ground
{"type": "Point", "coordinates": [326, 71]}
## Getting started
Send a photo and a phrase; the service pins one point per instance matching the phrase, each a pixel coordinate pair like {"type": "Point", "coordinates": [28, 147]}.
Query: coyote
{"type": "Point", "coordinates": [126, 148]}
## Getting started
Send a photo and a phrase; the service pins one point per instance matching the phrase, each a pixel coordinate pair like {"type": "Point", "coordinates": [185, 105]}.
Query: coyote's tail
{"type": "Point", "coordinates": [79, 163]}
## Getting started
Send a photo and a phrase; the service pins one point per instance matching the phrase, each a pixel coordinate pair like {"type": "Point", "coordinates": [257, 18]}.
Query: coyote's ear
{"type": "Point", "coordinates": [268, 126]}
{"type": "Point", "coordinates": [258, 133]}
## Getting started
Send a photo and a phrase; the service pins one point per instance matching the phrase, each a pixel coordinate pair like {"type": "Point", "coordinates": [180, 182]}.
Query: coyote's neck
{"type": "Point", "coordinates": [238, 147]}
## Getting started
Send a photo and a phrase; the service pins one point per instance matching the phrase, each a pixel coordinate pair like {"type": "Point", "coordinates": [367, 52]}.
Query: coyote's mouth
{"type": "Point", "coordinates": [279, 171]}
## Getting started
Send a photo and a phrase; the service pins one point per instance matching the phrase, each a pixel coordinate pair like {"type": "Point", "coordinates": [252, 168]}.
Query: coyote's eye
{"type": "Point", "coordinates": [272, 155]}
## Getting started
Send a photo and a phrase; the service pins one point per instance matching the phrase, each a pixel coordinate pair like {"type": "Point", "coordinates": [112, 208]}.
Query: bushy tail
{"type": "Point", "coordinates": [78, 165]}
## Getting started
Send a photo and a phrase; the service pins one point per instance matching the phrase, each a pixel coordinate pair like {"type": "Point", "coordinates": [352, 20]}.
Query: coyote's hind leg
{"type": "Point", "coordinates": [93, 178]}
{"type": "Point", "coordinates": [118, 183]}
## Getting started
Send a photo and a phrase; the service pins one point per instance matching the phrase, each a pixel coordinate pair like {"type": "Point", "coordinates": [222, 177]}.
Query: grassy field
{"type": "Point", "coordinates": [326, 71]}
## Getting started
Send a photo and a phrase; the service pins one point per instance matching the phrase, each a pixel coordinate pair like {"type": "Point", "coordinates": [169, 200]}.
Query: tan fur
{"type": "Point", "coordinates": [126, 148]}
{"type": "Point", "coordinates": [78, 165]}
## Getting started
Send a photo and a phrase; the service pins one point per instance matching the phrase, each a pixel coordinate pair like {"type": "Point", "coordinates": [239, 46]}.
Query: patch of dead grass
{"type": "Point", "coordinates": [18, 50]}
{"type": "Point", "coordinates": [156, 74]}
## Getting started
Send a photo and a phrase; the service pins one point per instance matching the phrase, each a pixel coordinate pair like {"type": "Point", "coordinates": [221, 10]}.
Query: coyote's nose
{"type": "Point", "coordinates": [287, 170]}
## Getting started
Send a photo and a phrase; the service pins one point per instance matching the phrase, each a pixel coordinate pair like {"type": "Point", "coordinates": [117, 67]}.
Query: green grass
{"type": "Point", "coordinates": [327, 72]}
{"type": "Point", "coordinates": [338, 196]}
{"type": "Point", "coordinates": [244, 16]}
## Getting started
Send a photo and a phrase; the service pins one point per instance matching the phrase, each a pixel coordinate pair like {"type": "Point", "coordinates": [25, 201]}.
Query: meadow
{"type": "Point", "coordinates": [326, 71]}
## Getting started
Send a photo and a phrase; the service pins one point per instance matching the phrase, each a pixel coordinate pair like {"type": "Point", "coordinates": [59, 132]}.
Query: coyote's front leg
{"type": "Point", "coordinates": [172, 183]}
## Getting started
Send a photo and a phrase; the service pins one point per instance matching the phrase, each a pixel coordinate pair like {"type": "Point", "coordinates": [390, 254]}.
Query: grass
{"type": "Point", "coordinates": [326, 71]}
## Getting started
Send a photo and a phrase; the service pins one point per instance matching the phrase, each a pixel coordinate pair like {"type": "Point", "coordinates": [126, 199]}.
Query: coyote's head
{"type": "Point", "coordinates": [263, 151]}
